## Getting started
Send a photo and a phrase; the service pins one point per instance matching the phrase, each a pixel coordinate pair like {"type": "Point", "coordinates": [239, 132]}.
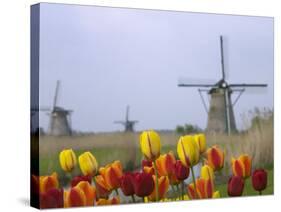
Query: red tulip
{"type": "Point", "coordinates": [259, 179]}
{"type": "Point", "coordinates": [235, 186]}
{"type": "Point", "coordinates": [181, 171]}
{"type": "Point", "coordinates": [127, 184]}
{"type": "Point", "coordinates": [53, 198]}
{"type": "Point", "coordinates": [145, 163]}
{"type": "Point", "coordinates": [78, 179]}
{"type": "Point", "coordinates": [143, 184]}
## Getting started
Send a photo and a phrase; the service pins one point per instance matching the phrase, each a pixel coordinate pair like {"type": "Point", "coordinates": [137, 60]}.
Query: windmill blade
{"type": "Point", "coordinates": [127, 113]}
{"type": "Point", "coordinates": [56, 94]}
{"type": "Point", "coordinates": [119, 122]}
{"type": "Point", "coordinates": [193, 82]}
{"type": "Point", "coordinates": [247, 85]}
{"type": "Point", "coordinates": [222, 57]}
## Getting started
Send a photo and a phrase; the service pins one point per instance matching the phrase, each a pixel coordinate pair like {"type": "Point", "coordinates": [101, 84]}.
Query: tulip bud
{"type": "Point", "coordinates": [150, 144]}
{"type": "Point", "coordinates": [75, 197]}
{"type": "Point", "coordinates": [48, 182]}
{"type": "Point", "coordinates": [53, 198]}
{"type": "Point", "coordinates": [188, 150]}
{"type": "Point", "coordinates": [235, 186]}
{"type": "Point", "coordinates": [143, 184]}
{"type": "Point", "coordinates": [165, 164]}
{"type": "Point", "coordinates": [259, 179]}
{"type": "Point", "coordinates": [78, 179]}
{"type": "Point", "coordinates": [181, 171]}
{"type": "Point", "coordinates": [201, 142]}
{"type": "Point", "coordinates": [67, 160]}
{"type": "Point", "coordinates": [89, 191]}
{"type": "Point", "coordinates": [207, 173]}
{"type": "Point", "coordinates": [215, 158]}
{"type": "Point", "coordinates": [88, 164]}
{"type": "Point", "coordinates": [163, 185]}
{"type": "Point", "coordinates": [112, 174]}
{"type": "Point", "coordinates": [242, 166]}
{"type": "Point", "coordinates": [127, 184]}
{"type": "Point", "coordinates": [102, 188]}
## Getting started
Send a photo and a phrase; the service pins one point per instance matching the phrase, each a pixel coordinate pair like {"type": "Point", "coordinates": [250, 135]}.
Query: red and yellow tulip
{"type": "Point", "coordinates": [215, 158]}
{"type": "Point", "coordinates": [67, 160]}
{"type": "Point", "coordinates": [89, 191]}
{"type": "Point", "coordinates": [242, 166]}
{"type": "Point", "coordinates": [112, 201]}
{"type": "Point", "coordinates": [88, 164]}
{"type": "Point", "coordinates": [75, 197]}
{"type": "Point", "coordinates": [112, 174]}
{"type": "Point", "coordinates": [48, 182]}
{"type": "Point", "coordinates": [53, 198]}
{"type": "Point", "coordinates": [163, 188]}
{"type": "Point", "coordinates": [103, 189]}
{"type": "Point", "coordinates": [204, 189]}
{"type": "Point", "coordinates": [150, 144]}
{"type": "Point", "coordinates": [166, 164]}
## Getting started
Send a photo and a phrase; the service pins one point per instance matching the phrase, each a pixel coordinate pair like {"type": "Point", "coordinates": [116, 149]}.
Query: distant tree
{"type": "Point", "coordinates": [188, 129]}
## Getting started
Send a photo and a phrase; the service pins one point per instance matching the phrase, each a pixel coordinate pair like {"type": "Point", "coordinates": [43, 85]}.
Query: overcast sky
{"type": "Point", "coordinates": [107, 58]}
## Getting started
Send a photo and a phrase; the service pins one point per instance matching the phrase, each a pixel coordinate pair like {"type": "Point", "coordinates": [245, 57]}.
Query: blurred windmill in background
{"type": "Point", "coordinates": [60, 118]}
{"type": "Point", "coordinates": [220, 113]}
{"type": "Point", "coordinates": [128, 124]}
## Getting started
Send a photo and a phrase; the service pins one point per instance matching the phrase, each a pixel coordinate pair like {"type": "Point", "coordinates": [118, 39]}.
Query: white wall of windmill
{"type": "Point", "coordinates": [59, 124]}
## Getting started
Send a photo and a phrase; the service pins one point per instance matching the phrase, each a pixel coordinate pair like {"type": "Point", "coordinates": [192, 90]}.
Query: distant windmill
{"type": "Point", "coordinates": [220, 114]}
{"type": "Point", "coordinates": [129, 125]}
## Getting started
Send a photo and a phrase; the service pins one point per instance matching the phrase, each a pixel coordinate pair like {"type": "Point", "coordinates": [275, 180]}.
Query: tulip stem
{"type": "Point", "coordinates": [194, 182]}
{"type": "Point", "coordinates": [156, 181]}
{"type": "Point", "coordinates": [116, 191]}
{"type": "Point", "coordinates": [133, 198]}
{"type": "Point", "coordinates": [174, 191]}
{"type": "Point", "coordinates": [97, 190]}
{"type": "Point", "coordinates": [182, 190]}
{"type": "Point", "coordinates": [178, 190]}
{"type": "Point", "coordinates": [260, 192]}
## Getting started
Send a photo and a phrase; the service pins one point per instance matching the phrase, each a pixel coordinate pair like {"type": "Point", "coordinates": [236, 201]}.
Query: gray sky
{"type": "Point", "coordinates": [107, 58]}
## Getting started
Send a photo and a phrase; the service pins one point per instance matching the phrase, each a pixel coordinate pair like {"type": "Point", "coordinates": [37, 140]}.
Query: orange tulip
{"type": "Point", "coordinates": [242, 166]}
{"type": "Point", "coordinates": [204, 188]}
{"type": "Point", "coordinates": [113, 201]}
{"type": "Point", "coordinates": [215, 158]}
{"type": "Point", "coordinates": [89, 191]}
{"type": "Point", "coordinates": [103, 189]}
{"type": "Point", "coordinates": [163, 185]}
{"type": "Point", "coordinates": [48, 182]}
{"type": "Point", "coordinates": [75, 197]}
{"type": "Point", "coordinates": [148, 170]}
{"type": "Point", "coordinates": [112, 174]}
{"type": "Point", "coordinates": [165, 164]}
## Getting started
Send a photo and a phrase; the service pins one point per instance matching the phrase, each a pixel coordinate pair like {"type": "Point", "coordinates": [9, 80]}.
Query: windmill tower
{"type": "Point", "coordinates": [128, 125]}
{"type": "Point", "coordinates": [220, 113]}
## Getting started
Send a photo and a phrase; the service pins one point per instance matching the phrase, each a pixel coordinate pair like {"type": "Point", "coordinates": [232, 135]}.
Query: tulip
{"type": "Point", "coordinates": [235, 186]}
{"type": "Point", "coordinates": [103, 189]}
{"type": "Point", "coordinates": [53, 198]}
{"type": "Point", "coordinates": [89, 191]}
{"type": "Point", "coordinates": [113, 201]}
{"type": "Point", "coordinates": [165, 164]}
{"type": "Point", "coordinates": [127, 184]}
{"type": "Point", "coordinates": [143, 184]}
{"type": "Point", "coordinates": [163, 187]}
{"type": "Point", "coordinates": [207, 173]}
{"type": "Point", "coordinates": [48, 182]}
{"type": "Point", "coordinates": [215, 158]}
{"type": "Point", "coordinates": [150, 145]}
{"type": "Point", "coordinates": [242, 166]}
{"type": "Point", "coordinates": [201, 142]}
{"type": "Point", "coordinates": [67, 160]}
{"type": "Point", "coordinates": [75, 197]}
{"type": "Point", "coordinates": [203, 189]}
{"type": "Point", "coordinates": [216, 195]}
{"type": "Point", "coordinates": [146, 163]}
{"type": "Point", "coordinates": [112, 174]}
{"type": "Point", "coordinates": [78, 179]}
{"type": "Point", "coordinates": [88, 164]}
{"type": "Point", "coordinates": [181, 171]}
{"type": "Point", "coordinates": [188, 152]}
{"type": "Point", "coordinates": [259, 180]}
{"type": "Point", "coordinates": [148, 170]}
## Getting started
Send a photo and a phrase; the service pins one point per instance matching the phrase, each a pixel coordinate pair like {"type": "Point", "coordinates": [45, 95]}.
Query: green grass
{"type": "Point", "coordinates": [248, 189]}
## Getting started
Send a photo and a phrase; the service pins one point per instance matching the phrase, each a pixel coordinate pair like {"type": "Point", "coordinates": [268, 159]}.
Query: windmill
{"type": "Point", "coordinates": [220, 114]}
{"type": "Point", "coordinates": [129, 125]}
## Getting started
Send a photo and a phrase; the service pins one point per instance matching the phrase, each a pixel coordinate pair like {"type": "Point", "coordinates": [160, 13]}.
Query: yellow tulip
{"type": "Point", "coordinates": [67, 160]}
{"type": "Point", "coordinates": [201, 142]}
{"type": "Point", "coordinates": [216, 195]}
{"type": "Point", "coordinates": [150, 144]}
{"type": "Point", "coordinates": [188, 150]}
{"type": "Point", "coordinates": [88, 164]}
{"type": "Point", "coordinates": [207, 172]}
